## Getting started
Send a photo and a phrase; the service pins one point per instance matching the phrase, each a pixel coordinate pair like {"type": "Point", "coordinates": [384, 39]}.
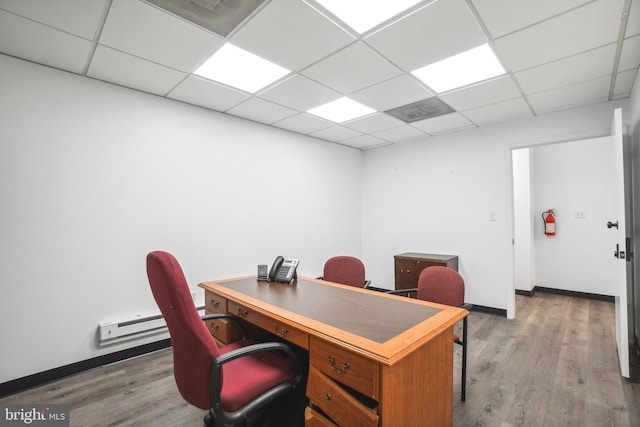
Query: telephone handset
{"type": "Point", "coordinates": [283, 270]}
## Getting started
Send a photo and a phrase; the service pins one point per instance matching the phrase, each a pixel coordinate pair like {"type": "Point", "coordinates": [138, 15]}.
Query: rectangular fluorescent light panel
{"type": "Point", "coordinates": [362, 15]}
{"type": "Point", "coordinates": [240, 69]}
{"type": "Point", "coordinates": [341, 110]}
{"type": "Point", "coordinates": [460, 70]}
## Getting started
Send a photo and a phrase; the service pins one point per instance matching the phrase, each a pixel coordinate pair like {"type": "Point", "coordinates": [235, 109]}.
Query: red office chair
{"type": "Point", "coordinates": [444, 285]}
{"type": "Point", "coordinates": [346, 270]}
{"type": "Point", "coordinates": [233, 381]}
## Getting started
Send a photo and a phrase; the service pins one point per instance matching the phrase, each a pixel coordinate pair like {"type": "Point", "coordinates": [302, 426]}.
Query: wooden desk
{"type": "Point", "coordinates": [394, 354]}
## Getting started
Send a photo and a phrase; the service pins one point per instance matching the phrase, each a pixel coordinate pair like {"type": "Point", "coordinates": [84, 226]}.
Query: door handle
{"type": "Point", "coordinates": [612, 224]}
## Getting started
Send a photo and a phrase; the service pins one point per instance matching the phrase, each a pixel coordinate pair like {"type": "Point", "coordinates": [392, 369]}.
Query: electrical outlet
{"type": "Point", "coordinates": [492, 216]}
{"type": "Point", "coordinates": [579, 215]}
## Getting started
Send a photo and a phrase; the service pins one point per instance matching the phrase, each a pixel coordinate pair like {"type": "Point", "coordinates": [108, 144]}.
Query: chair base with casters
{"type": "Point", "coordinates": [233, 382]}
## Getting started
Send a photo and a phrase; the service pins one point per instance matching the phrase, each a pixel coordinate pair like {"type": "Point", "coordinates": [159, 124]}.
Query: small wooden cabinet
{"type": "Point", "coordinates": [409, 265]}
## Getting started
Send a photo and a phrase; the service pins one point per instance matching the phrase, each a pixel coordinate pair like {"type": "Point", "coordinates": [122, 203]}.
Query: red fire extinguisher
{"type": "Point", "coordinates": [549, 219]}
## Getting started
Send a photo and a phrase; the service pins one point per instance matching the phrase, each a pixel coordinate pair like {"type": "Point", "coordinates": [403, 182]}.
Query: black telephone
{"type": "Point", "coordinates": [283, 270]}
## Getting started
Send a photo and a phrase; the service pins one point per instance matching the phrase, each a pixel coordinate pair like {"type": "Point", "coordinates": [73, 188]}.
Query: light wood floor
{"type": "Point", "coordinates": [554, 365]}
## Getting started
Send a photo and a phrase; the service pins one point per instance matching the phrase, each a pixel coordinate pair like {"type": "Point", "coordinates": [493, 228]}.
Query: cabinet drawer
{"type": "Point", "coordinates": [350, 369]}
{"type": "Point", "coordinates": [224, 330]}
{"type": "Point", "coordinates": [337, 403]}
{"type": "Point", "coordinates": [214, 304]}
{"type": "Point", "coordinates": [409, 270]}
{"type": "Point", "coordinates": [315, 419]}
{"type": "Point", "coordinates": [281, 329]}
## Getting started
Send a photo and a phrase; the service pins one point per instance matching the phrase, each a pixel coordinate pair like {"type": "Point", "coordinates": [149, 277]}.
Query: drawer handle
{"type": "Point", "coordinates": [215, 303]}
{"type": "Point", "coordinates": [345, 366]}
{"type": "Point", "coordinates": [327, 396]}
{"type": "Point", "coordinates": [280, 334]}
{"type": "Point", "coordinates": [243, 312]}
{"type": "Point", "coordinates": [214, 328]}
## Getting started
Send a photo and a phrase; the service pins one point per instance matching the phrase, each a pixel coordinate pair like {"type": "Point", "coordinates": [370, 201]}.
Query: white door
{"type": "Point", "coordinates": [622, 326]}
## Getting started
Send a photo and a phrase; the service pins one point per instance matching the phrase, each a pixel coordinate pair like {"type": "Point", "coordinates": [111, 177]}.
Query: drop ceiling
{"type": "Point", "coordinates": [557, 54]}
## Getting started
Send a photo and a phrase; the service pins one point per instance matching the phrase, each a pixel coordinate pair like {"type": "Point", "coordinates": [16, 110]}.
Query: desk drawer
{"type": "Point", "coordinates": [350, 369]}
{"type": "Point", "coordinates": [337, 403]}
{"type": "Point", "coordinates": [224, 330]}
{"type": "Point", "coordinates": [315, 419]}
{"type": "Point", "coordinates": [281, 329]}
{"type": "Point", "coordinates": [214, 304]}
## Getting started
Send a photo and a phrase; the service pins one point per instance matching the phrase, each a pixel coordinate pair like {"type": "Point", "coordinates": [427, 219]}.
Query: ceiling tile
{"type": "Point", "coordinates": [442, 124]}
{"type": "Point", "coordinates": [335, 133]}
{"type": "Point", "coordinates": [585, 66]}
{"type": "Point", "coordinates": [425, 36]}
{"type": "Point", "coordinates": [630, 54]}
{"type": "Point", "coordinates": [148, 32]}
{"type": "Point", "coordinates": [485, 93]}
{"type": "Point", "coordinates": [502, 17]}
{"type": "Point", "coordinates": [303, 123]}
{"type": "Point", "coordinates": [633, 22]}
{"type": "Point", "coordinates": [592, 91]}
{"type": "Point", "coordinates": [78, 17]}
{"type": "Point", "coordinates": [374, 123]}
{"type": "Point", "coordinates": [557, 53]}
{"type": "Point", "coordinates": [262, 111]}
{"type": "Point", "coordinates": [26, 39]}
{"type": "Point", "coordinates": [364, 141]}
{"type": "Point", "coordinates": [400, 133]}
{"type": "Point", "coordinates": [499, 111]}
{"type": "Point", "coordinates": [624, 82]}
{"type": "Point", "coordinates": [300, 93]}
{"type": "Point", "coordinates": [197, 91]}
{"type": "Point", "coordinates": [126, 70]}
{"type": "Point", "coordinates": [588, 27]}
{"type": "Point", "coordinates": [352, 69]}
{"type": "Point", "coordinates": [392, 93]}
{"type": "Point", "coordinates": [291, 34]}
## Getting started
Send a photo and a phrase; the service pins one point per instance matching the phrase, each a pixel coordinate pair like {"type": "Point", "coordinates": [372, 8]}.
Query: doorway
{"type": "Point", "coordinates": [574, 179]}
{"type": "Point", "coordinates": [582, 182]}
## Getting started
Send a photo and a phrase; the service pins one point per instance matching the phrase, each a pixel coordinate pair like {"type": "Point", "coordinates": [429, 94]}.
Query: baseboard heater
{"type": "Point", "coordinates": [116, 332]}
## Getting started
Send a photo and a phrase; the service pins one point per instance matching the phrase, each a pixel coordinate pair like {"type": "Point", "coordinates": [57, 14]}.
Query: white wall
{"type": "Point", "coordinates": [434, 195]}
{"type": "Point", "coordinates": [524, 250]}
{"type": "Point", "coordinates": [94, 176]}
{"type": "Point", "coordinates": [576, 179]}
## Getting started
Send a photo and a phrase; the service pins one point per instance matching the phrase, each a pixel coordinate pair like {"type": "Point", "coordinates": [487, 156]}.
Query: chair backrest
{"type": "Point", "coordinates": [346, 270]}
{"type": "Point", "coordinates": [441, 285]}
{"type": "Point", "coordinates": [193, 346]}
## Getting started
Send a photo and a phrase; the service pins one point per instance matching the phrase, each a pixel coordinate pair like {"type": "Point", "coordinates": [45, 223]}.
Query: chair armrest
{"type": "Point", "coordinates": [402, 291]}
{"type": "Point", "coordinates": [256, 348]}
{"type": "Point", "coordinates": [235, 320]}
{"type": "Point", "coordinates": [367, 283]}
